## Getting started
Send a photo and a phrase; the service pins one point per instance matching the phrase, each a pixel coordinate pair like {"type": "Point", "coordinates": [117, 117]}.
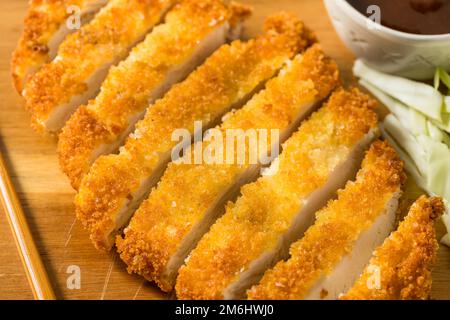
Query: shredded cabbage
{"type": "Point", "coordinates": [414, 121]}
{"type": "Point", "coordinates": [438, 165]}
{"type": "Point", "coordinates": [414, 129]}
{"type": "Point", "coordinates": [437, 134]}
{"type": "Point", "coordinates": [445, 123]}
{"type": "Point", "coordinates": [417, 95]}
{"type": "Point", "coordinates": [407, 141]}
{"type": "Point", "coordinates": [410, 166]}
{"type": "Point", "coordinates": [443, 76]}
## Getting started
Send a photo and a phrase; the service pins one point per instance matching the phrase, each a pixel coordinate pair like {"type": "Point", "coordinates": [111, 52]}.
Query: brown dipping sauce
{"type": "Point", "coordinates": [412, 16]}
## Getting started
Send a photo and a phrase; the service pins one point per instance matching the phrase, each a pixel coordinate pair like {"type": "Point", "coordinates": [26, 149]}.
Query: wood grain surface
{"type": "Point", "coordinates": [47, 198]}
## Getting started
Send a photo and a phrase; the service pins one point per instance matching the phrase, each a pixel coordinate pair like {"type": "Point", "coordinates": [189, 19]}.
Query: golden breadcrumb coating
{"type": "Point", "coordinates": [405, 258]}
{"type": "Point", "coordinates": [231, 73]}
{"type": "Point", "coordinates": [186, 191]}
{"type": "Point", "coordinates": [125, 92]}
{"type": "Point", "coordinates": [43, 20]}
{"type": "Point", "coordinates": [107, 37]}
{"type": "Point", "coordinates": [336, 228]}
{"type": "Point", "coordinates": [267, 207]}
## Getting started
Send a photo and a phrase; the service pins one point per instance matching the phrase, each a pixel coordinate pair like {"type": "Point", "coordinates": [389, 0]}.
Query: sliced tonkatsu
{"type": "Point", "coordinates": [192, 30]}
{"type": "Point", "coordinates": [400, 268]}
{"type": "Point", "coordinates": [116, 184]}
{"type": "Point", "coordinates": [334, 251]}
{"type": "Point", "coordinates": [84, 58]}
{"type": "Point", "coordinates": [46, 25]}
{"type": "Point", "coordinates": [275, 210]}
{"type": "Point", "coordinates": [190, 197]}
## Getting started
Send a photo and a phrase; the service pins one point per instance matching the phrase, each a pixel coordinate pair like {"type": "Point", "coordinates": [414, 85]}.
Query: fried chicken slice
{"type": "Point", "coordinates": [274, 211]}
{"type": "Point", "coordinates": [191, 32]}
{"type": "Point", "coordinates": [400, 268]}
{"type": "Point", "coordinates": [334, 251]}
{"type": "Point", "coordinates": [116, 184]}
{"type": "Point", "coordinates": [190, 197]}
{"type": "Point", "coordinates": [84, 58]}
{"type": "Point", "coordinates": [46, 25]}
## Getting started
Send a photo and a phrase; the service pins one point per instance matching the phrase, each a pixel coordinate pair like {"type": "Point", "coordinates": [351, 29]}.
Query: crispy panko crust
{"type": "Point", "coordinates": [104, 120]}
{"type": "Point", "coordinates": [266, 208]}
{"type": "Point", "coordinates": [158, 227]}
{"type": "Point", "coordinates": [231, 73]}
{"type": "Point", "coordinates": [337, 227]}
{"type": "Point", "coordinates": [405, 259]}
{"type": "Point", "coordinates": [43, 19]}
{"type": "Point", "coordinates": [107, 37]}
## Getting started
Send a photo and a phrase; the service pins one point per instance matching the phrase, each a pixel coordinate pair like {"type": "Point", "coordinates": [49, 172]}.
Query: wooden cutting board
{"type": "Point", "coordinates": [47, 197]}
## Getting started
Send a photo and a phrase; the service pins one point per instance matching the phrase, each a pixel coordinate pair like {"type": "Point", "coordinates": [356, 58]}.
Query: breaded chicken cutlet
{"type": "Point", "coordinates": [266, 244]}
{"type": "Point", "coordinates": [192, 30]}
{"type": "Point", "coordinates": [400, 268]}
{"type": "Point", "coordinates": [190, 197]}
{"type": "Point", "coordinates": [116, 184]}
{"type": "Point", "coordinates": [334, 251]}
{"type": "Point", "coordinates": [45, 27]}
{"type": "Point", "coordinates": [84, 58]}
{"type": "Point", "coordinates": [274, 211]}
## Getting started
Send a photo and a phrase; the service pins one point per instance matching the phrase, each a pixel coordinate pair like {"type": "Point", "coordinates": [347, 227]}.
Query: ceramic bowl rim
{"type": "Point", "coordinates": [361, 19]}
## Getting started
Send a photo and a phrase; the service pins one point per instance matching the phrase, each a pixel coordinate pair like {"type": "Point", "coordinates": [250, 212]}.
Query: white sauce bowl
{"type": "Point", "coordinates": [391, 51]}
